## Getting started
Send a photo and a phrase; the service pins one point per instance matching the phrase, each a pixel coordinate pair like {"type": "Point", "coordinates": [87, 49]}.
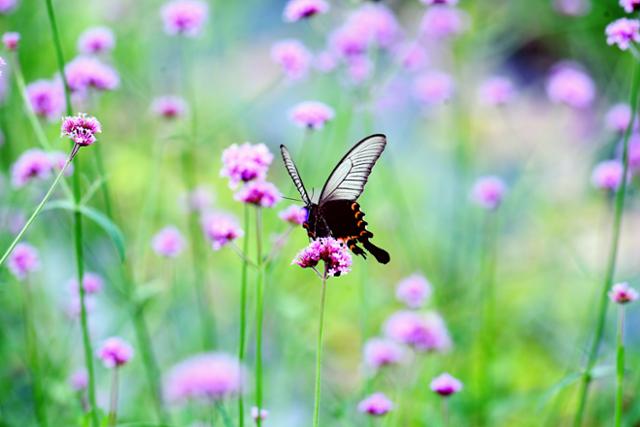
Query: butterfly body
{"type": "Point", "coordinates": [337, 214]}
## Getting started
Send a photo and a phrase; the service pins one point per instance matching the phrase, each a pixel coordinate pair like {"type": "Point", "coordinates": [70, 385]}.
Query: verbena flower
{"type": "Point", "coordinates": [622, 293]}
{"type": "Point", "coordinates": [32, 164]}
{"type": "Point", "coordinates": [618, 117]}
{"type": "Point", "coordinates": [568, 84]}
{"type": "Point", "coordinates": [441, 22]}
{"type": "Point", "coordinates": [168, 242]}
{"type": "Point", "coordinates": [91, 282]}
{"type": "Point", "coordinates": [633, 152]}
{"type": "Point", "coordinates": [572, 7]}
{"type": "Point", "coordinates": [378, 23]}
{"type": "Point", "coordinates": [413, 291]}
{"type": "Point", "coordinates": [200, 199]}
{"type": "Point", "coordinates": [497, 91]}
{"type": "Point", "coordinates": [488, 192]}
{"type": "Point", "coordinates": [333, 253]}
{"type": "Point", "coordinates": [359, 69]}
{"type": "Point", "coordinates": [246, 162]}
{"type": "Point", "coordinates": [379, 352]}
{"type": "Point", "coordinates": [84, 73]}
{"type": "Point", "coordinates": [623, 32]}
{"type": "Point", "coordinates": [96, 40]}
{"type": "Point", "coordinates": [295, 215]}
{"type": "Point", "coordinates": [433, 87]}
{"type": "Point", "coordinates": [11, 40]}
{"type": "Point", "coordinates": [446, 385]}
{"type": "Point", "coordinates": [259, 193]}
{"type": "Point", "coordinates": [74, 306]}
{"type": "Point", "coordinates": [630, 6]}
{"type": "Point", "coordinates": [311, 114]}
{"type": "Point", "coordinates": [46, 98]}
{"type": "Point", "coordinates": [440, 2]}
{"type": "Point", "coordinates": [607, 175]}
{"type": "Point", "coordinates": [23, 260]}
{"type": "Point", "coordinates": [293, 57]}
{"type": "Point", "coordinates": [377, 405]}
{"type": "Point", "coordinates": [7, 6]}
{"type": "Point", "coordinates": [422, 331]}
{"type": "Point", "coordinates": [184, 17]}
{"type": "Point", "coordinates": [169, 106]}
{"type": "Point", "coordinates": [259, 414]}
{"type": "Point", "coordinates": [411, 56]}
{"type": "Point", "coordinates": [82, 129]}
{"type": "Point", "coordinates": [296, 10]}
{"type": "Point", "coordinates": [220, 229]}
{"type": "Point", "coordinates": [212, 376]}
{"type": "Point", "coordinates": [79, 379]}
{"type": "Point", "coordinates": [115, 352]}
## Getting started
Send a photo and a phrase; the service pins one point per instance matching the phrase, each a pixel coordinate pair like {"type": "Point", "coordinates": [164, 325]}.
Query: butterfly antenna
{"type": "Point", "coordinates": [292, 199]}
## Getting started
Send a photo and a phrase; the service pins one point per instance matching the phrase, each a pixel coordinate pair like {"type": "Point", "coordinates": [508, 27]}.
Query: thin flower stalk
{"type": "Point", "coordinates": [619, 368]}
{"type": "Point", "coordinates": [243, 308]}
{"type": "Point", "coordinates": [259, 313]}
{"type": "Point", "coordinates": [316, 400]}
{"type": "Point", "coordinates": [113, 401]}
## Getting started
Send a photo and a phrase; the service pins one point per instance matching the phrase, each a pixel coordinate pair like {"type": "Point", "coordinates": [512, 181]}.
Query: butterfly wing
{"type": "Point", "coordinates": [295, 175]}
{"type": "Point", "coordinates": [348, 178]}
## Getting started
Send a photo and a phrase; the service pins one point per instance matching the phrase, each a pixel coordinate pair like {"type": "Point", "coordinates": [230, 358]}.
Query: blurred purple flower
{"type": "Point", "coordinates": [168, 242]}
{"type": "Point", "coordinates": [7, 6]}
{"type": "Point", "coordinates": [259, 193]}
{"type": "Point", "coordinates": [311, 114]}
{"type": "Point", "coordinates": [32, 164]}
{"type": "Point", "coordinates": [75, 307]}
{"type": "Point", "coordinates": [497, 91]}
{"type": "Point", "coordinates": [377, 405]}
{"type": "Point", "coordinates": [348, 41]}
{"type": "Point", "coordinates": [568, 84]}
{"type": "Point", "coordinates": [23, 260]}
{"type": "Point", "coordinates": [622, 293]}
{"type": "Point", "coordinates": [58, 160]}
{"type": "Point", "coordinates": [334, 254]}
{"type": "Point", "coordinates": [86, 72]}
{"type": "Point", "coordinates": [184, 17]}
{"type": "Point", "coordinates": [377, 22]}
{"type": "Point", "coordinates": [246, 162]}
{"type": "Point", "coordinates": [295, 215]}
{"type": "Point", "coordinates": [379, 352]}
{"type": "Point", "coordinates": [359, 69]}
{"type": "Point", "coordinates": [440, 22]}
{"type": "Point", "coordinates": [623, 32]}
{"type": "Point", "coordinates": [81, 129]}
{"type": "Point", "coordinates": [607, 175]}
{"type": "Point", "coordinates": [214, 376]}
{"type": "Point", "coordinates": [11, 40]}
{"type": "Point", "coordinates": [439, 2]}
{"type": "Point", "coordinates": [433, 87]}
{"type": "Point", "coordinates": [169, 106]}
{"type": "Point", "coordinates": [96, 40]}
{"type": "Point", "coordinates": [91, 282]}
{"type": "Point", "coordinates": [411, 56]}
{"type": "Point", "coordinates": [618, 117]}
{"type": "Point", "coordinates": [422, 331]}
{"type": "Point", "coordinates": [572, 7]}
{"type": "Point", "coordinates": [296, 10]}
{"type": "Point", "coordinates": [446, 385]}
{"type": "Point", "coordinates": [200, 199]}
{"type": "Point", "coordinates": [220, 229]}
{"type": "Point", "coordinates": [325, 61]}
{"type": "Point", "coordinates": [293, 57]}
{"type": "Point", "coordinates": [413, 291]}
{"type": "Point", "coordinates": [79, 379]}
{"type": "Point", "coordinates": [634, 152]}
{"type": "Point", "coordinates": [488, 192]}
{"type": "Point", "coordinates": [630, 6]}
{"type": "Point", "coordinates": [46, 98]}
{"type": "Point", "coordinates": [115, 352]}
{"type": "Point", "coordinates": [261, 414]}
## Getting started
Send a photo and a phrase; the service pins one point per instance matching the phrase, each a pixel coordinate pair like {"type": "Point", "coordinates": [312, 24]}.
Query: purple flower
{"type": "Point", "coordinates": [348, 41]}
{"type": "Point", "coordinates": [359, 69]}
{"type": "Point", "coordinates": [497, 91]}
{"type": "Point", "coordinates": [295, 215]}
{"type": "Point", "coordinates": [169, 107]}
{"type": "Point", "coordinates": [213, 376]}
{"type": "Point", "coordinates": [58, 160]}
{"type": "Point", "coordinates": [445, 385]}
{"type": "Point", "coordinates": [261, 414]}
{"type": "Point", "coordinates": [81, 129]}
{"type": "Point", "coordinates": [630, 5]}
{"type": "Point", "coordinates": [11, 40]}
{"type": "Point", "coordinates": [91, 282]}
{"type": "Point", "coordinates": [572, 7]}
{"type": "Point", "coordinates": [441, 22]}
{"type": "Point", "coordinates": [607, 175]}
{"type": "Point", "coordinates": [96, 40]}
{"type": "Point", "coordinates": [293, 57]}
{"type": "Point", "coordinates": [311, 114]}
{"type": "Point", "coordinates": [334, 254]}
{"type": "Point", "coordinates": [411, 56]}
{"type": "Point", "coordinates": [115, 352]}
{"type": "Point", "coordinates": [377, 405]}
{"type": "Point", "coordinates": [488, 192]}
{"type": "Point", "coordinates": [379, 352]}
{"type": "Point", "coordinates": [32, 164]}
{"type": "Point", "coordinates": [200, 199]}
{"type": "Point", "coordinates": [246, 162]}
{"type": "Point", "coordinates": [220, 229]}
{"type": "Point", "coordinates": [422, 331]}
{"type": "Point", "coordinates": [168, 242]}
{"type": "Point", "coordinates": [622, 293]}
{"type": "Point", "coordinates": [46, 98]}
{"type": "Point", "coordinates": [568, 84]}
{"type": "Point", "coordinates": [7, 6]}
{"type": "Point", "coordinates": [413, 291]}
{"type": "Point", "coordinates": [79, 379]}
{"type": "Point", "coordinates": [377, 22]}
{"type": "Point", "coordinates": [433, 87]}
{"type": "Point", "coordinates": [623, 32]}
{"type": "Point", "coordinates": [440, 2]}
{"type": "Point", "coordinates": [259, 193]}
{"type": "Point", "coordinates": [325, 61]}
{"type": "Point", "coordinates": [74, 307]}
{"type": "Point", "coordinates": [23, 260]}
{"type": "Point", "coordinates": [618, 117]}
{"type": "Point", "coordinates": [184, 17]}
{"type": "Point", "coordinates": [87, 72]}
{"type": "Point", "coordinates": [634, 152]}
{"type": "Point", "coordinates": [295, 10]}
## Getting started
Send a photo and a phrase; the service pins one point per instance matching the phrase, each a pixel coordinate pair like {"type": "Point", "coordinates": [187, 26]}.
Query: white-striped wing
{"type": "Point", "coordinates": [295, 176]}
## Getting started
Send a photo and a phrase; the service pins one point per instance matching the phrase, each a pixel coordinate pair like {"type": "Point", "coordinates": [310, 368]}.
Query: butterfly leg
{"type": "Point", "coordinates": [357, 250]}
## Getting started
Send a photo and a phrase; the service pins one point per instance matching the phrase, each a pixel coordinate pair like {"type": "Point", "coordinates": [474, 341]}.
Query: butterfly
{"type": "Point", "coordinates": [336, 212]}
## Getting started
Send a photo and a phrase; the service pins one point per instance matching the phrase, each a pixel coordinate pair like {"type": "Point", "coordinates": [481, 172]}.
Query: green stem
{"type": "Point", "coordinates": [113, 404]}
{"type": "Point", "coordinates": [106, 194]}
{"type": "Point", "coordinates": [59, 54]}
{"type": "Point", "coordinates": [225, 415]}
{"type": "Point", "coordinates": [316, 404]}
{"type": "Point", "coordinates": [619, 368]}
{"type": "Point", "coordinates": [613, 255]}
{"type": "Point", "coordinates": [259, 313]}
{"type": "Point", "coordinates": [243, 308]}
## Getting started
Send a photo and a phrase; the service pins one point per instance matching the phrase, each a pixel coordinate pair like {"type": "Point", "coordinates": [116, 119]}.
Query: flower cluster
{"type": "Point", "coordinates": [433, 87]}
{"type": "Point", "coordinates": [618, 117]}
{"type": "Point", "coordinates": [184, 17]}
{"type": "Point", "coordinates": [11, 40]}
{"type": "Point", "coordinates": [220, 229]}
{"type": "Point", "coordinates": [293, 58]}
{"type": "Point", "coordinates": [446, 385]}
{"type": "Point", "coordinates": [380, 352]}
{"type": "Point", "coordinates": [497, 91]}
{"type": "Point", "coordinates": [46, 98]}
{"type": "Point", "coordinates": [488, 192]}
{"type": "Point", "coordinates": [169, 107]}
{"type": "Point", "coordinates": [422, 331]}
{"type": "Point", "coordinates": [607, 175]}
{"type": "Point", "coordinates": [441, 22]}
{"type": "Point", "coordinates": [413, 291]}
{"type": "Point", "coordinates": [92, 283]}
{"type": "Point", "coordinates": [622, 32]}
{"type": "Point", "coordinates": [23, 260]}
{"type": "Point", "coordinates": [296, 10]}
{"type": "Point", "coordinates": [168, 242]}
{"type": "Point", "coordinates": [96, 40]}
{"type": "Point", "coordinates": [295, 215]}
{"type": "Point", "coordinates": [115, 352]}
{"type": "Point", "coordinates": [311, 114]}
{"type": "Point", "coordinates": [630, 6]}
{"type": "Point", "coordinates": [334, 254]}
{"type": "Point", "coordinates": [82, 129]}
{"type": "Point", "coordinates": [87, 72]}
{"type": "Point", "coordinates": [622, 293]}
{"type": "Point", "coordinates": [246, 162]}
{"type": "Point", "coordinates": [377, 405]}
{"type": "Point", "coordinates": [570, 85]}
{"type": "Point", "coordinates": [259, 193]}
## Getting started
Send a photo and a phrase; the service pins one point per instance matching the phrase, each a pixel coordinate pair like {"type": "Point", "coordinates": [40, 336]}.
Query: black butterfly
{"type": "Point", "coordinates": [336, 212]}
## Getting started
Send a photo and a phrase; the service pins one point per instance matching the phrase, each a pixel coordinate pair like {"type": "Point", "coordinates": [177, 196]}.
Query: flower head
{"type": "Point", "coordinates": [296, 10]}
{"type": "Point", "coordinates": [259, 193]}
{"type": "Point", "coordinates": [184, 17]}
{"type": "Point", "coordinates": [412, 56]}
{"type": "Point", "coordinates": [377, 405]}
{"type": "Point", "coordinates": [377, 22]}
{"type": "Point", "coordinates": [422, 331]}
{"type": "Point", "coordinates": [622, 293]}
{"type": "Point", "coordinates": [568, 84]}
{"type": "Point", "coordinates": [213, 376]}
{"type": "Point", "coordinates": [497, 91]}
{"type": "Point", "coordinates": [325, 61]}
{"type": "Point", "coordinates": [607, 175]}
{"type": "Point", "coordinates": [441, 22]}
{"type": "Point", "coordinates": [79, 379]}
{"type": "Point", "coordinates": [32, 164]}
{"type": "Point", "coordinates": [81, 129]}
{"type": "Point", "coordinates": [23, 260]}
{"type": "Point", "coordinates": [259, 414]}
{"type": "Point", "coordinates": [293, 57]}
{"type": "Point", "coordinates": [334, 254]}
{"type": "Point", "coordinates": [379, 352]}
{"type": "Point", "coordinates": [311, 114]}
{"type": "Point", "coordinates": [630, 6]}
{"type": "Point", "coordinates": [433, 87]}
{"type": "Point", "coordinates": [572, 7]}
{"type": "Point", "coordinates": [200, 199]}
{"type": "Point", "coordinates": [11, 40]}
{"type": "Point", "coordinates": [634, 152]}
{"type": "Point", "coordinates": [445, 385]}
{"type": "Point", "coordinates": [46, 98]}
{"type": "Point", "coordinates": [622, 32]}
{"type": "Point", "coordinates": [96, 40]}
{"type": "Point", "coordinates": [440, 2]}
{"type": "Point", "coordinates": [488, 192]}
{"type": "Point", "coordinates": [413, 291]}
{"type": "Point", "coordinates": [618, 117]}
{"type": "Point", "coordinates": [295, 215]}
{"type": "Point", "coordinates": [168, 242]}
{"type": "Point", "coordinates": [115, 352]}
{"type": "Point", "coordinates": [91, 282]}
{"type": "Point", "coordinates": [169, 107]}
{"type": "Point", "coordinates": [7, 6]}
{"type": "Point", "coordinates": [246, 162]}
{"type": "Point", "coordinates": [87, 72]}
{"type": "Point", "coordinates": [220, 229]}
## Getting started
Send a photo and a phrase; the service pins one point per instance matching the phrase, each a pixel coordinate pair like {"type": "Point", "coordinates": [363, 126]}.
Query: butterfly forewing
{"type": "Point", "coordinates": [295, 175]}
